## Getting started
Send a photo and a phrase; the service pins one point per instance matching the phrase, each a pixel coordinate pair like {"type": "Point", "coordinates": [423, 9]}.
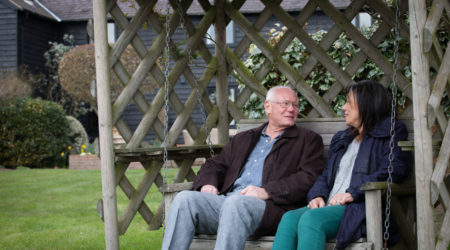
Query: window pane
{"type": "Point", "coordinates": [365, 20]}
{"type": "Point", "coordinates": [229, 32]}
{"type": "Point", "coordinates": [210, 35]}
{"type": "Point", "coordinates": [111, 33]}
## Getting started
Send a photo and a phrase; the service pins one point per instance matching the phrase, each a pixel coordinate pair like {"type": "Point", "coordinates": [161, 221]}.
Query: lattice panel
{"type": "Point", "coordinates": [439, 12]}
{"type": "Point", "coordinates": [234, 57]}
{"type": "Point", "coordinates": [318, 51]}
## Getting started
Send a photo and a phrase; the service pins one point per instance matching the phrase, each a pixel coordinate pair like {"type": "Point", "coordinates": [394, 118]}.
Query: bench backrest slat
{"type": "Point", "coordinates": [325, 127]}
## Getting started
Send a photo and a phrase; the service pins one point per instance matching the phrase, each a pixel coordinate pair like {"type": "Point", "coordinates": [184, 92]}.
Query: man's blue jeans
{"type": "Point", "coordinates": [233, 218]}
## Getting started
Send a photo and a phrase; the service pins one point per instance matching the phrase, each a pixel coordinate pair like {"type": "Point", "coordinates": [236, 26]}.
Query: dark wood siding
{"type": "Point", "coordinates": [36, 33]}
{"type": "Point", "coordinates": [8, 38]}
{"type": "Point", "coordinates": [77, 29]}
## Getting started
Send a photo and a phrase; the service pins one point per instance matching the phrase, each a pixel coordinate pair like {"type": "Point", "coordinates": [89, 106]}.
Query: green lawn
{"type": "Point", "coordinates": [57, 209]}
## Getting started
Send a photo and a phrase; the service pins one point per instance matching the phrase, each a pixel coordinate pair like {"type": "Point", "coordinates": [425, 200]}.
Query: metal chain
{"type": "Point", "coordinates": [166, 60]}
{"type": "Point", "coordinates": [392, 132]}
{"type": "Point", "coordinates": [196, 85]}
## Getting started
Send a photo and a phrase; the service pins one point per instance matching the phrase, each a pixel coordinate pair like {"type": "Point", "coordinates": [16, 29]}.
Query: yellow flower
{"type": "Point", "coordinates": [82, 150]}
{"type": "Point", "coordinates": [62, 153]}
{"type": "Point", "coordinates": [83, 146]}
{"type": "Point", "coordinates": [69, 147]}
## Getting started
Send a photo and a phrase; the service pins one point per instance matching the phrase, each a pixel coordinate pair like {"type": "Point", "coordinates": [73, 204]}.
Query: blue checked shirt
{"type": "Point", "coordinates": [251, 174]}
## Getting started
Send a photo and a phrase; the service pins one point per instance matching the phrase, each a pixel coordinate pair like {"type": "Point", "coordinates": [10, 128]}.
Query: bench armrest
{"type": "Point", "coordinates": [373, 192]}
{"type": "Point", "coordinates": [169, 191]}
{"type": "Point", "coordinates": [175, 187]}
{"type": "Point", "coordinates": [404, 188]}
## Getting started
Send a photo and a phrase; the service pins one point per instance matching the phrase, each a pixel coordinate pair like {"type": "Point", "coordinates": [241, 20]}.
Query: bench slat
{"type": "Point", "coordinates": [206, 242]}
{"type": "Point", "coordinates": [174, 153]}
{"type": "Point", "coordinates": [325, 127]}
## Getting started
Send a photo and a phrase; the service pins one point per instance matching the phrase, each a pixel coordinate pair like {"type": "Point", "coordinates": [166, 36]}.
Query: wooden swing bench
{"type": "Point", "coordinates": [402, 201]}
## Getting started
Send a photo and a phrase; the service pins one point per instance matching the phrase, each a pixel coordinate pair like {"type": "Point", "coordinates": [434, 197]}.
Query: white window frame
{"type": "Point", "coordinates": [111, 32]}
{"type": "Point", "coordinates": [229, 34]}
{"type": "Point", "coordinates": [231, 96]}
{"type": "Point", "coordinates": [362, 19]}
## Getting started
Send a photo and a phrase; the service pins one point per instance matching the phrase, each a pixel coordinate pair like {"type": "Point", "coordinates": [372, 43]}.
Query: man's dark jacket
{"type": "Point", "coordinates": [290, 169]}
{"type": "Point", "coordinates": [371, 164]}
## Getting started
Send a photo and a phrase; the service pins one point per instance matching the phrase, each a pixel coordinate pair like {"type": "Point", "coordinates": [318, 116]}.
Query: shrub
{"type": "Point", "coordinates": [85, 149]}
{"type": "Point", "coordinates": [14, 84]}
{"type": "Point", "coordinates": [49, 87]}
{"type": "Point", "coordinates": [33, 133]}
{"type": "Point", "coordinates": [77, 134]}
{"type": "Point", "coordinates": [77, 73]}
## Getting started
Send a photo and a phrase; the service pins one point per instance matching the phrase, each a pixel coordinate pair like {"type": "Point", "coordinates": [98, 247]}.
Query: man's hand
{"type": "Point", "coordinates": [316, 203]}
{"type": "Point", "coordinates": [209, 189]}
{"type": "Point", "coordinates": [341, 199]}
{"type": "Point", "coordinates": [256, 192]}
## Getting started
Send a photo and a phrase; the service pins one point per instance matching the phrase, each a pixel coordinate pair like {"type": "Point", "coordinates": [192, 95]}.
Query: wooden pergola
{"type": "Point", "coordinates": [424, 93]}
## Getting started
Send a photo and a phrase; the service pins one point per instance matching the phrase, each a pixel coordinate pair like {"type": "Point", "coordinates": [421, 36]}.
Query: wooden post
{"type": "Point", "coordinates": [221, 79]}
{"type": "Point", "coordinates": [422, 135]}
{"type": "Point", "coordinates": [105, 125]}
{"type": "Point", "coordinates": [374, 222]}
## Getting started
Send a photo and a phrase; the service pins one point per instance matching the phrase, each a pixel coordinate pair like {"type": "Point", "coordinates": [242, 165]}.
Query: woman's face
{"type": "Point", "coordinates": [351, 112]}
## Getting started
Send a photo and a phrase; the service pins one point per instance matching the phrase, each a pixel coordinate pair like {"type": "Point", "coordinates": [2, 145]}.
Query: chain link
{"type": "Point", "coordinates": [392, 132]}
{"type": "Point", "coordinates": [196, 85]}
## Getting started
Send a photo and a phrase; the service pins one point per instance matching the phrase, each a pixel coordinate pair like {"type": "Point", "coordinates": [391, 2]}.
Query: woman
{"type": "Point", "coordinates": [357, 155]}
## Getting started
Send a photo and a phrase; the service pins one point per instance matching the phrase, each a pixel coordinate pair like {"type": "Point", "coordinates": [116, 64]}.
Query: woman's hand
{"type": "Point", "coordinates": [341, 199]}
{"type": "Point", "coordinates": [316, 203]}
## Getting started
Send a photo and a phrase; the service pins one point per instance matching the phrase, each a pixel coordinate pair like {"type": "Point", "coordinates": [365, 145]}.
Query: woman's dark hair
{"type": "Point", "coordinates": [373, 100]}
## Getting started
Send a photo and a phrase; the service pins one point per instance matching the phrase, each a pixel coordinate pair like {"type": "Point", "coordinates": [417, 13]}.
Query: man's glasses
{"type": "Point", "coordinates": [285, 104]}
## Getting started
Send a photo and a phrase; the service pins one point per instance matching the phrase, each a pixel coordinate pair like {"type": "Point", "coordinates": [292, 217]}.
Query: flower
{"type": "Point", "coordinates": [83, 146]}
{"type": "Point", "coordinates": [69, 147]}
{"type": "Point", "coordinates": [62, 153]}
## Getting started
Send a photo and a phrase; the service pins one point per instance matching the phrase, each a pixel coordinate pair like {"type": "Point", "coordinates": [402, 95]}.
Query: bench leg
{"type": "Point", "coordinates": [374, 218]}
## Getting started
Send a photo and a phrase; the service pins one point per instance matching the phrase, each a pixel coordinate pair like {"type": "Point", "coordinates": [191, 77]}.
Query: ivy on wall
{"type": "Point", "coordinates": [320, 79]}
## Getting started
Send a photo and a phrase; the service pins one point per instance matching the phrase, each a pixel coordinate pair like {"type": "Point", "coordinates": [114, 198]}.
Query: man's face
{"type": "Point", "coordinates": [282, 110]}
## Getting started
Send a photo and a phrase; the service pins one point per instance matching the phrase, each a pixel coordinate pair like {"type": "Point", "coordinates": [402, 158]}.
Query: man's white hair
{"type": "Point", "coordinates": [271, 92]}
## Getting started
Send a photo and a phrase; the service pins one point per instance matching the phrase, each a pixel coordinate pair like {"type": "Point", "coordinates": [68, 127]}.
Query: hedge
{"type": "Point", "coordinates": [33, 133]}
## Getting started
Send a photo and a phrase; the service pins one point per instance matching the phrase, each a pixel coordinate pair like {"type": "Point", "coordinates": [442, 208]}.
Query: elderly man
{"type": "Point", "coordinates": [259, 175]}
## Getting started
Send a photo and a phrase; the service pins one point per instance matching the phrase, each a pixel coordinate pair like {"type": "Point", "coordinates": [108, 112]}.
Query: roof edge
{"type": "Point", "coordinates": [48, 11]}
{"type": "Point", "coordinates": [12, 4]}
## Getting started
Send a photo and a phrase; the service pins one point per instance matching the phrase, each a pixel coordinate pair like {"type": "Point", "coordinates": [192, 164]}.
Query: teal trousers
{"type": "Point", "coordinates": [306, 228]}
